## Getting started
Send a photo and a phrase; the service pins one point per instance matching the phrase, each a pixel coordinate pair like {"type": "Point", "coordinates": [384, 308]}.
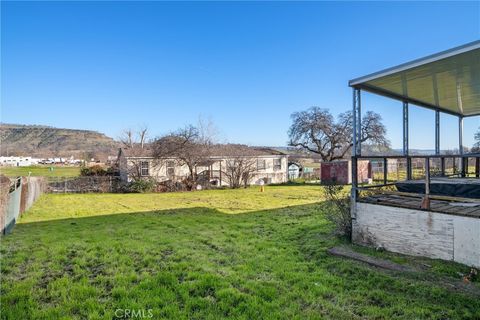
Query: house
{"type": "Point", "coordinates": [265, 164]}
{"type": "Point", "coordinates": [432, 207]}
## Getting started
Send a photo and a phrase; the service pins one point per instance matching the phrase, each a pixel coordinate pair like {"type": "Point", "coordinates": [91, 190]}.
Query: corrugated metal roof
{"type": "Point", "coordinates": [448, 81]}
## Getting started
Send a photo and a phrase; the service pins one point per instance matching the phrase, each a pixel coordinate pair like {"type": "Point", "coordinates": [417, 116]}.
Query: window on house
{"type": "Point", "coordinates": [232, 163]}
{"type": "Point", "coordinates": [144, 166]}
{"type": "Point", "coordinates": [277, 164]}
{"type": "Point", "coordinates": [170, 168]}
{"type": "Point", "coordinates": [261, 164]}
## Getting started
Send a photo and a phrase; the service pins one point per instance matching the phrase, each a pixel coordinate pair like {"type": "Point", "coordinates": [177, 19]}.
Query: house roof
{"type": "Point", "coordinates": [448, 81]}
{"type": "Point", "coordinates": [216, 150]}
{"type": "Point", "coordinates": [135, 152]}
{"type": "Point", "coordinates": [232, 150]}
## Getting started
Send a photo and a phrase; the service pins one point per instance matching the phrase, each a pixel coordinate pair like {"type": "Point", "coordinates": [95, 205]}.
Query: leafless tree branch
{"type": "Point", "coordinates": [317, 131]}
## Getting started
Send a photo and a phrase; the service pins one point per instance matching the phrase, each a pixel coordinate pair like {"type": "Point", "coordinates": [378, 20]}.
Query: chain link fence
{"type": "Point", "coordinates": [87, 184]}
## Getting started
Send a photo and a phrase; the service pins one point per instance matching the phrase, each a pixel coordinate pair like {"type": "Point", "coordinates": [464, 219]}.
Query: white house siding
{"type": "Point", "coordinates": [158, 171]}
{"type": "Point", "coordinates": [17, 161]}
{"type": "Point", "coordinates": [417, 232]}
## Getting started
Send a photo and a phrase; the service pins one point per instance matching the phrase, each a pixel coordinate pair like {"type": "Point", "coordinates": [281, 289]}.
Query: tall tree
{"type": "Point", "coordinates": [476, 145]}
{"type": "Point", "coordinates": [317, 131]}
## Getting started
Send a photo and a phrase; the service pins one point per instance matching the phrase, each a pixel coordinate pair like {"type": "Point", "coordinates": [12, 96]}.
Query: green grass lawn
{"type": "Point", "coordinates": [237, 254]}
{"type": "Point", "coordinates": [41, 171]}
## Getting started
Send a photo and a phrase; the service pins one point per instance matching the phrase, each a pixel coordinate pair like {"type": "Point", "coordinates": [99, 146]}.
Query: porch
{"type": "Point", "coordinates": [425, 205]}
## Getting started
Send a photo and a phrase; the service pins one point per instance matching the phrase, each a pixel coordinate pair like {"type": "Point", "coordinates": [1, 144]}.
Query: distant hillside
{"type": "Point", "coordinates": [44, 141]}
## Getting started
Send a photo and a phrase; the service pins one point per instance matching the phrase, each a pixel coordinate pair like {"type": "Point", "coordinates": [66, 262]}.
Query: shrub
{"type": "Point", "coordinates": [339, 209]}
{"type": "Point", "coordinates": [95, 170]}
{"type": "Point", "coordinates": [98, 170]}
{"type": "Point", "coordinates": [142, 185]}
{"type": "Point", "coordinates": [171, 186]}
{"type": "Point", "coordinates": [298, 181]}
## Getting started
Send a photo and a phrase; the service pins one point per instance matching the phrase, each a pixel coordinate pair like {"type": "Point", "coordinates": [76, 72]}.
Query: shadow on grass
{"type": "Point", "coordinates": [196, 219]}
{"type": "Point", "coordinates": [202, 263]}
{"type": "Point", "coordinates": [187, 263]}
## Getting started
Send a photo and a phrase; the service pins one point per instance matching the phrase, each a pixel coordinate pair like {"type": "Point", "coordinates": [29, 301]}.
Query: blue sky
{"type": "Point", "coordinates": [107, 66]}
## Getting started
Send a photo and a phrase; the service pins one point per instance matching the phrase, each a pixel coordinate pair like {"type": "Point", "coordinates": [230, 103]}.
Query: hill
{"type": "Point", "coordinates": [45, 141]}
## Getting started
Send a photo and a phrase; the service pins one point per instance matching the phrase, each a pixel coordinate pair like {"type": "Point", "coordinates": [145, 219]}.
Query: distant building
{"type": "Point", "coordinates": [339, 171]}
{"type": "Point", "coordinates": [269, 165]}
{"type": "Point", "coordinates": [18, 161]}
{"type": "Point", "coordinates": [294, 171]}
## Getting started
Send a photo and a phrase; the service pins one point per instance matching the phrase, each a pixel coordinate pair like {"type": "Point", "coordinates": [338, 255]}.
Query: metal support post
{"type": "Point", "coordinates": [442, 166]}
{"type": "Point", "coordinates": [356, 150]}
{"type": "Point", "coordinates": [359, 122]}
{"type": "Point", "coordinates": [460, 145]}
{"type": "Point", "coordinates": [406, 140]}
{"type": "Point", "coordinates": [385, 170]}
{"type": "Point", "coordinates": [437, 132]}
{"type": "Point", "coordinates": [477, 167]}
{"type": "Point", "coordinates": [426, 199]}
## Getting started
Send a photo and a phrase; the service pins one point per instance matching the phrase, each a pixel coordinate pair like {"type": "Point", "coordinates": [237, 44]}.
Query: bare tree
{"type": "Point", "coordinates": [317, 131]}
{"type": "Point", "coordinates": [187, 147]}
{"type": "Point", "coordinates": [142, 136]}
{"type": "Point", "coordinates": [239, 170]}
{"type": "Point", "coordinates": [134, 138]}
{"type": "Point", "coordinates": [135, 143]}
{"type": "Point", "coordinates": [476, 145]}
{"type": "Point", "coordinates": [127, 138]}
{"type": "Point", "coordinates": [241, 164]}
{"type": "Point", "coordinates": [207, 130]}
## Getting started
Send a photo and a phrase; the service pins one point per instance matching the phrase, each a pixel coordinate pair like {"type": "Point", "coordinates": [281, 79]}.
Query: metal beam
{"type": "Point", "coordinates": [359, 122]}
{"type": "Point", "coordinates": [354, 114]}
{"type": "Point", "coordinates": [426, 198]}
{"type": "Point", "coordinates": [418, 62]}
{"type": "Point", "coordinates": [355, 152]}
{"type": "Point", "coordinates": [477, 167]}
{"type": "Point", "coordinates": [400, 97]}
{"type": "Point", "coordinates": [405, 129]}
{"type": "Point", "coordinates": [460, 135]}
{"type": "Point", "coordinates": [385, 170]}
{"type": "Point", "coordinates": [406, 147]}
{"type": "Point", "coordinates": [437, 112]}
{"type": "Point", "coordinates": [460, 146]}
{"type": "Point", "coordinates": [437, 132]}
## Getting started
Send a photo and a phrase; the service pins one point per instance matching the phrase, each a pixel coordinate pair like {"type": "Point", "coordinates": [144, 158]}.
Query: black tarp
{"type": "Point", "coordinates": [454, 187]}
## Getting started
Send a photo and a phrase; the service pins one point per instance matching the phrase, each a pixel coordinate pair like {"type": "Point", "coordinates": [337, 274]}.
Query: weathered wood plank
{"type": "Point", "coordinates": [401, 201]}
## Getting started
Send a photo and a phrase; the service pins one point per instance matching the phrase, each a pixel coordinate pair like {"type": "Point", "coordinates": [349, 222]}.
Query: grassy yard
{"type": "Point", "coordinates": [41, 170]}
{"type": "Point", "coordinates": [237, 254]}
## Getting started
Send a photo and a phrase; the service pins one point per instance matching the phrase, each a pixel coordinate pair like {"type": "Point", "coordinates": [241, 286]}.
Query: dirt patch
{"type": "Point", "coordinates": [376, 262]}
